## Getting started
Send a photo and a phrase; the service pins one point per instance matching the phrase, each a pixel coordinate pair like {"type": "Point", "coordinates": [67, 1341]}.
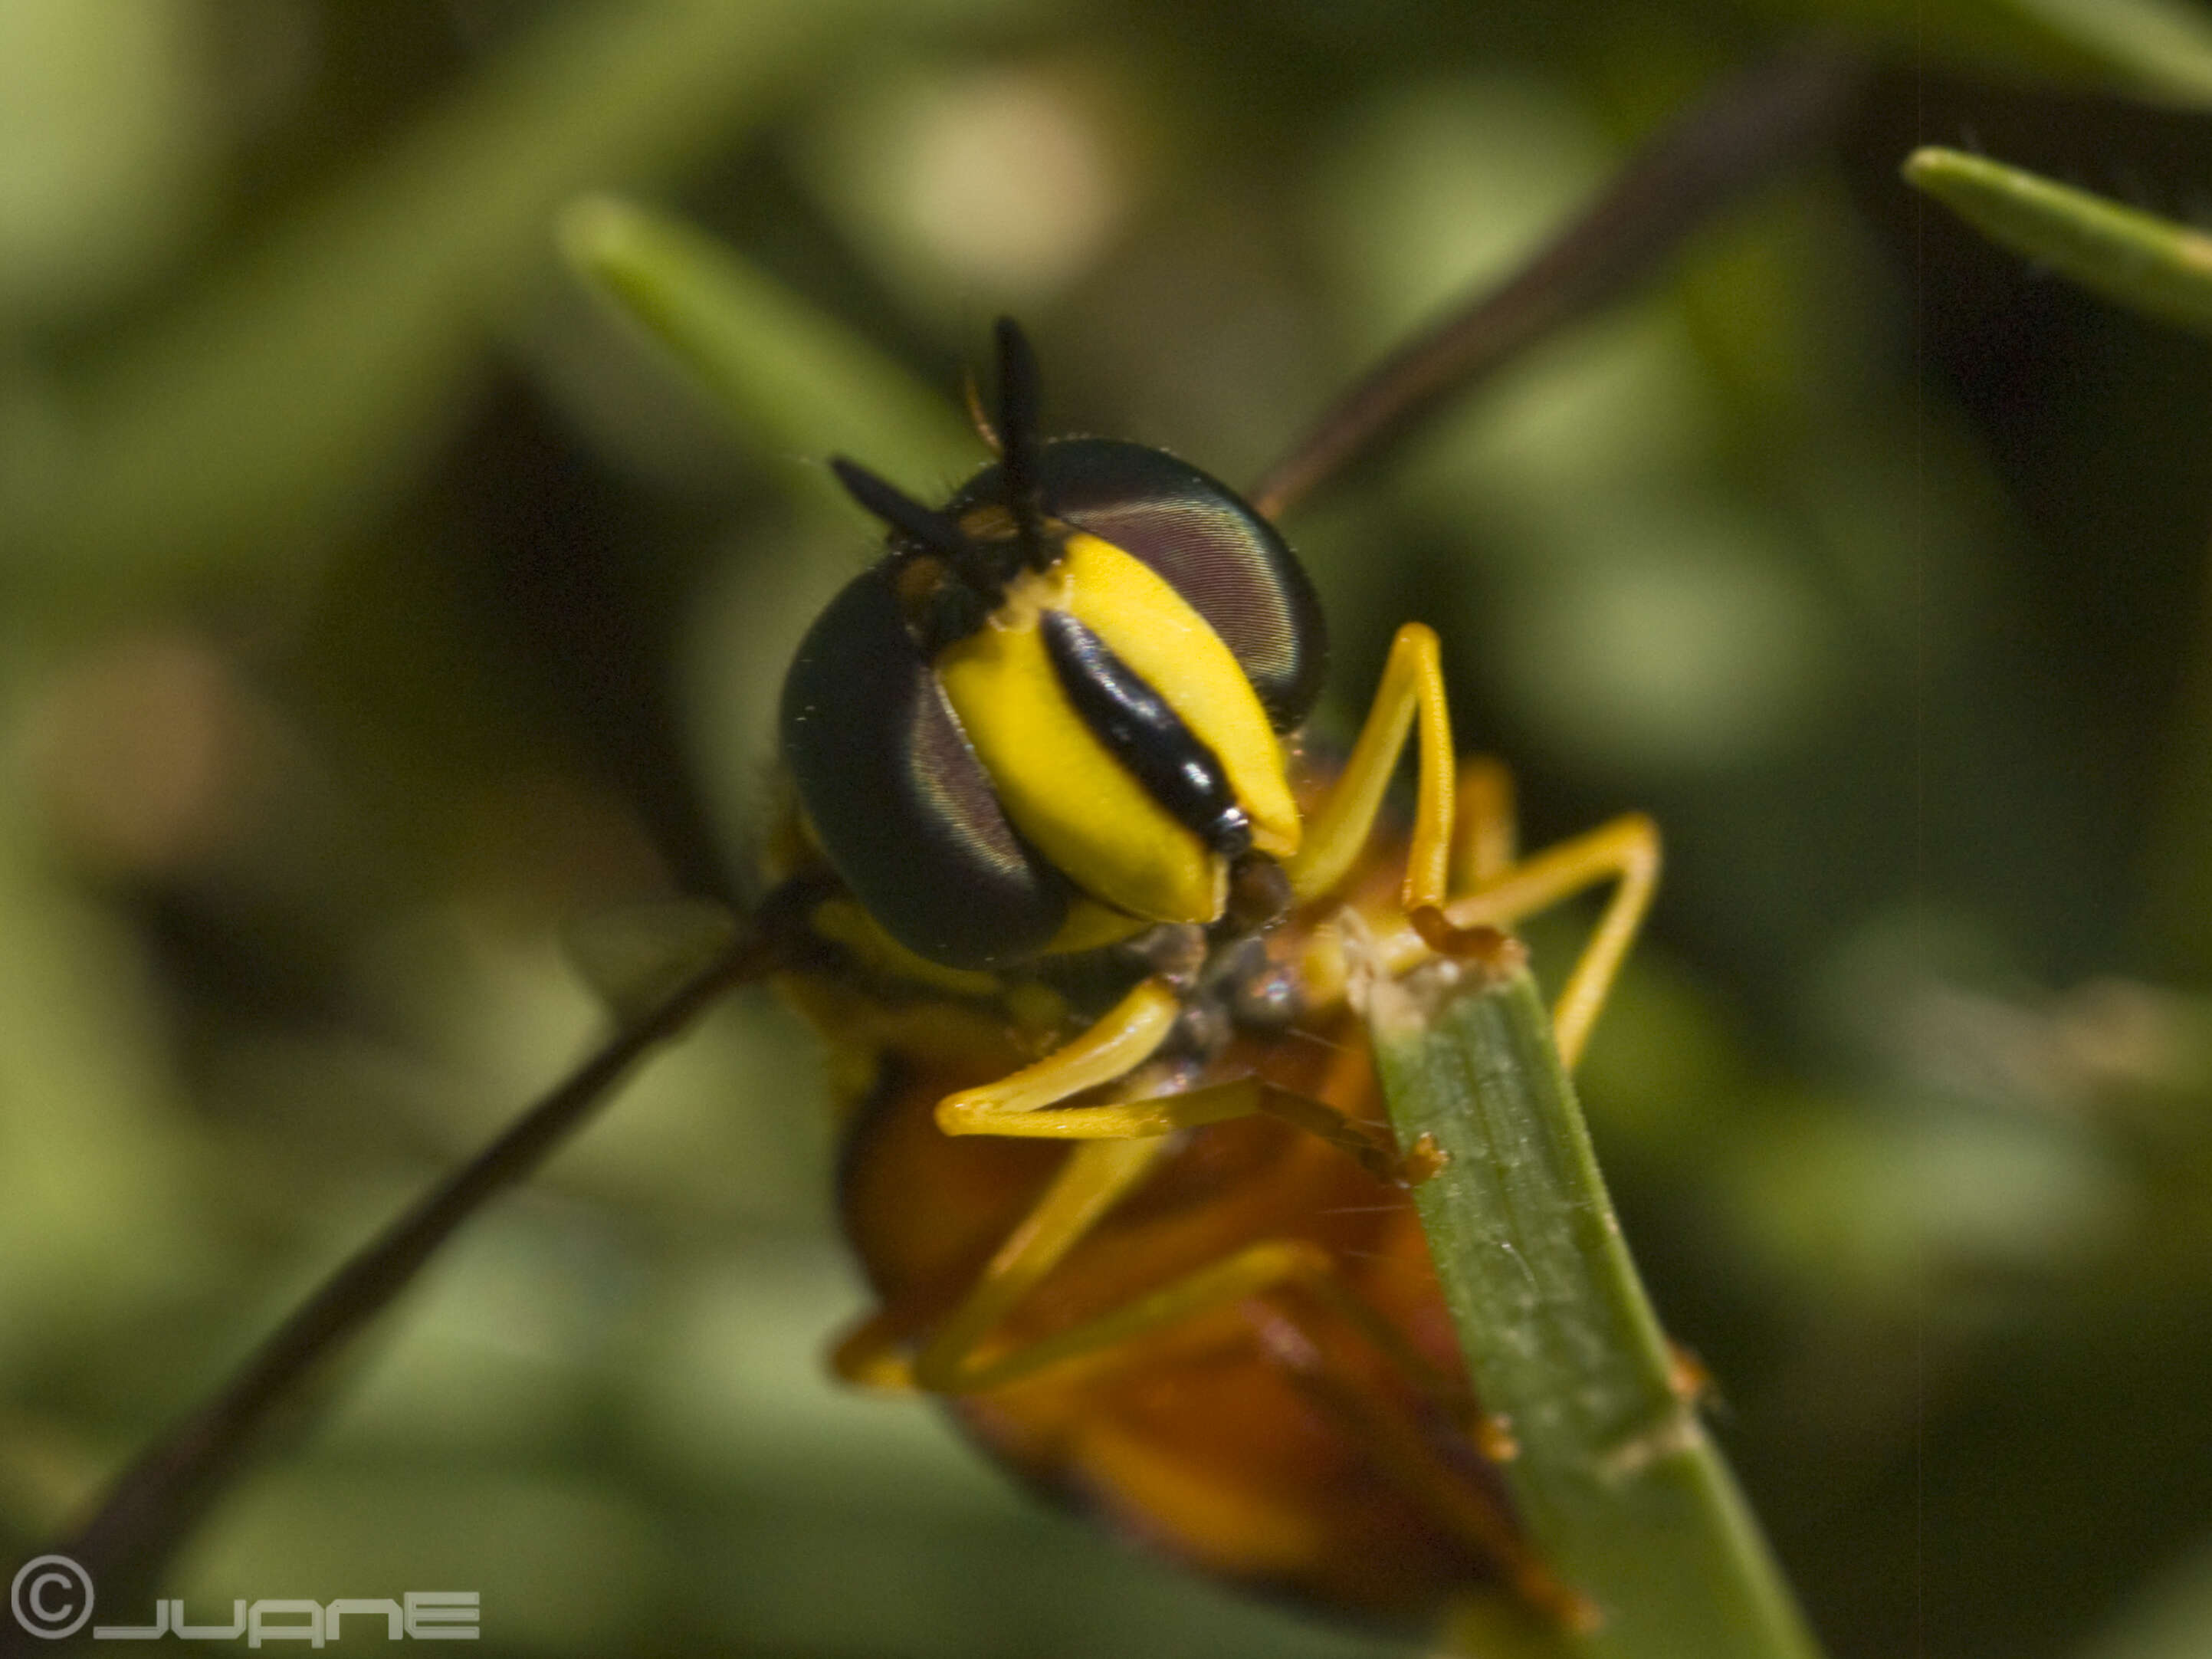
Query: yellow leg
{"type": "Point", "coordinates": [1118, 1142]}
{"type": "Point", "coordinates": [1496, 892]}
{"type": "Point", "coordinates": [1413, 685]}
{"type": "Point", "coordinates": [1097, 1176]}
{"type": "Point", "coordinates": [1625, 851]}
{"type": "Point", "coordinates": [1483, 841]}
{"type": "Point", "coordinates": [1018, 1105]}
{"type": "Point", "coordinates": [1254, 1268]}
{"type": "Point", "coordinates": [1189, 1109]}
{"type": "Point", "coordinates": [959, 1360]}
{"type": "Point", "coordinates": [1124, 1038]}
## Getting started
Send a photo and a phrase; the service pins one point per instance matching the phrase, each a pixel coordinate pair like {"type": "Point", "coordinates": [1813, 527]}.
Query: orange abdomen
{"type": "Point", "coordinates": [1268, 1442]}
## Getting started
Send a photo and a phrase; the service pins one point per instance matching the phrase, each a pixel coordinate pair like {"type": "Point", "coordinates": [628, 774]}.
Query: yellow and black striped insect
{"type": "Point", "coordinates": [1077, 912]}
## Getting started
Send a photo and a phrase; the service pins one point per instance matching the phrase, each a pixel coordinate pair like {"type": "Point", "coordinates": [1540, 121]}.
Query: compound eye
{"type": "Point", "coordinates": [896, 798]}
{"type": "Point", "coordinates": [1229, 564]}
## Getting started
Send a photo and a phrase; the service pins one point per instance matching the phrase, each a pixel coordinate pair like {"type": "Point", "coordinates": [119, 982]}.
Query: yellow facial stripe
{"type": "Point", "coordinates": [1153, 629]}
{"type": "Point", "coordinates": [1062, 789]}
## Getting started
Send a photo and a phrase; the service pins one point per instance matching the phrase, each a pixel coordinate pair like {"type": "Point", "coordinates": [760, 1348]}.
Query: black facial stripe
{"type": "Point", "coordinates": [1140, 731]}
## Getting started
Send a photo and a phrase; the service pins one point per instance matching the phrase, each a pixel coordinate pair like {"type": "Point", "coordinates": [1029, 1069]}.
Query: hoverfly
{"type": "Point", "coordinates": [1069, 900]}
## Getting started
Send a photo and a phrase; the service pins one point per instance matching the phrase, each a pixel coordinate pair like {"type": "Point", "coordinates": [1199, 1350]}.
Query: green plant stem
{"type": "Point", "coordinates": [1619, 1489]}
{"type": "Point", "coordinates": [2143, 262]}
{"type": "Point", "coordinates": [2165, 45]}
{"type": "Point", "coordinates": [789, 375]}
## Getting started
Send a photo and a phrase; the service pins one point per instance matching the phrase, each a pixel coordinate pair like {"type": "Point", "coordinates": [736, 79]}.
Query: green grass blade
{"type": "Point", "coordinates": [1619, 1489]}
{"type": "Point", "coordinates": [789, 375]}
{"type": "Point", "coordinates": [301, 389]}
{"type": "Point", "coordinates": [2143, 262]}
{"type": "Point", "coordinates": [2166, 43]}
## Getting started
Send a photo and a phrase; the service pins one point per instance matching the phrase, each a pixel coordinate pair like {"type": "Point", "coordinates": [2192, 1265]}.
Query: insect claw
{"type": "Point", "coordinates": [1495, 953]}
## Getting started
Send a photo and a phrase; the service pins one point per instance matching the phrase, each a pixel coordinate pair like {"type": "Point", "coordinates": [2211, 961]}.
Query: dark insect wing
{"type": "Point", "coordinates": [1229, 562]}
{"type": "Point", "coordinates": [898, 800]}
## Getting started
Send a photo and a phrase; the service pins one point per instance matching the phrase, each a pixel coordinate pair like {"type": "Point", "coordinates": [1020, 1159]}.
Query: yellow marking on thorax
{"type": "Point", "coordinates": [846, 921]}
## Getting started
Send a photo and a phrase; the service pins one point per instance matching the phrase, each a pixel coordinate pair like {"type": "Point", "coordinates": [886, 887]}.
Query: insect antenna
{"type": "Point", "coordinates": [931, 529]}
{"type": "Point", "coordinates": [887, 502]}
{"type": "Point", "coordinates": [1018, 402]}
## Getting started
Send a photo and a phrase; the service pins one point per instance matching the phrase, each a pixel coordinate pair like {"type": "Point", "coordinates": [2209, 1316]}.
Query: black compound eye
{"type": "Point", "coordinates": [1229, 562]}
{"type": "Point", "coordinates": [898, 800]}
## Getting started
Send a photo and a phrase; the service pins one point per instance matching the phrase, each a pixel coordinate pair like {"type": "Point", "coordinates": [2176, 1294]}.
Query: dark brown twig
{"type": "Point", "coordinates": [1729, 144]}
{"type": "Point", "coordinates": [160, 1496]}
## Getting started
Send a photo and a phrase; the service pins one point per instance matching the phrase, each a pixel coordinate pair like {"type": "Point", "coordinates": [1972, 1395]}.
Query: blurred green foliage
{"type": "Point", "coordinates": [375, 606]}
{"type": "Point", "coordinates": [2143, 262]}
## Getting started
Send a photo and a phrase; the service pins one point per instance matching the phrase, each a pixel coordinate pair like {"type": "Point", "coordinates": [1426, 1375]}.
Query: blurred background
{"type": "Point", "coordinates": [374, 606]}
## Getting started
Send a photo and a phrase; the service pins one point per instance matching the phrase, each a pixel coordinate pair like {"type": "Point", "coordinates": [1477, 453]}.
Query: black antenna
{"type": "Point", "coordinates": [898, 509]}
{"type": "Point", "coordinates": [971, 563]}
{"type": "Point", "coordinates": [1018, 440]}
{"type": "Point", "coordinates": [917, 523]}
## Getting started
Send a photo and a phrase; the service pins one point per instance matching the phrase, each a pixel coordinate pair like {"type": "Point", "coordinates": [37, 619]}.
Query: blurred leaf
{"type": "Point", "coordinates": [1866, 1204]}
{"type": "Point", "coordinates": [2049, 40]}
{"type": "Point", "coordinates": [2167, 42]}
{"type": "Point", "coordinates": [791, 375]}
{"type": "Point", "coordinates": [2143, 262]}
{"type": "Point", "coordinates": [104, 146]}
{"type": "Point", "coordinates": [90, 1113]}
{"type": "Point", "coordinates": [2171, 1619]}
{"type": "Point", "coordinates": [305, 385]}
{"type": "Point", "coordinates": [968, 188]}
